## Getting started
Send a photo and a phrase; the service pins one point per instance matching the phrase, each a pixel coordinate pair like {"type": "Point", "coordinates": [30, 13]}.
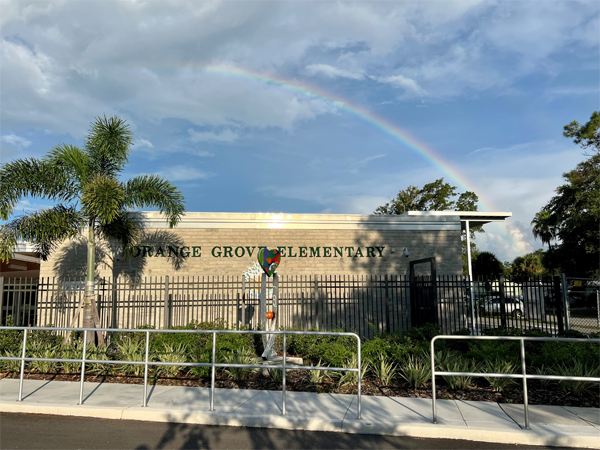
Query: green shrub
{"type": "Point", "coordinates": [71, 352]}
{"type": "Point", "coordinates": [99, 353]}
{"type": "Point", "coordinates": [11, 340]}
{"type": "Point", "coordinates": [43, 350]}
{"type": "Point", "coordinates": [276, 375]}
{"type": "Point", "coordinates": [317, 376]}
{"type": "Point", "coordinates": [424, 334]}
{"type": "Point", "coordinates": [12, 365]}
{"type": "Point", "coordinates": [129, 348]}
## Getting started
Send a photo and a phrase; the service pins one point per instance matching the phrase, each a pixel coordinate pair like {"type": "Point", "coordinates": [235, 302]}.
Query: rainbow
{"type": "Point", "coordinates": [376, 121]}
{"type": "Point", "coordinates": [361, 113]}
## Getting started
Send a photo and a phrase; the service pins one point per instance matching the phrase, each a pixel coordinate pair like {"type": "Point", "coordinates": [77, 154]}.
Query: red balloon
{"type": "Point", "coordinates": [270, 314]}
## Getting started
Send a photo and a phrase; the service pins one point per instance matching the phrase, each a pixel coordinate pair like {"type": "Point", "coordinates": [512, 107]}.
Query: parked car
{"type": "Point", "coordinates": [514, 305]}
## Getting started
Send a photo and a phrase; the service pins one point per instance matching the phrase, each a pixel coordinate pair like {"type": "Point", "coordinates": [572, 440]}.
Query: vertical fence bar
{"type": "Point", "coordinates": [316, 301]}
{"type": "Point", "coordinates": [558, 305]}
{"type": "Point", "coordinates": [524, 370]}
{"type": "Point", "coordinates": [166, 312]}
{"type": "Point", "coordinates": [283, 377]}
{"type": "Point", "coordinates": [145, 403]}
{"type": "Point", "coordinates": [212, 379]}
{"type": "Point", "coordinates": [22, 365]}
{"type": "Point", "coordinates": [82, 367]}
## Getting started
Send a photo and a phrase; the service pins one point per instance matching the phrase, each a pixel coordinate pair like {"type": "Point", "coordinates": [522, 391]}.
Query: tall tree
{"type": "Point", "coordinates": [487, 265]}
{"type": "Point", "coordinates": [572, 216]}
{"type": "Point", "coordinates": [435, 196]}
{"type": "Point", "coordinates": [90, 198]}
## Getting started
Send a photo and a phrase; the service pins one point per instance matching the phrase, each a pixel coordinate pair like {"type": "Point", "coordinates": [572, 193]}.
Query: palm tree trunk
{"type": "Point", "coordinates": [88, 314]}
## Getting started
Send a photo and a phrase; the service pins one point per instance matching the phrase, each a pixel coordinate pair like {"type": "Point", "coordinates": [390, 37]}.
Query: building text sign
{"type": "Point", "coordinates": [195, 251]}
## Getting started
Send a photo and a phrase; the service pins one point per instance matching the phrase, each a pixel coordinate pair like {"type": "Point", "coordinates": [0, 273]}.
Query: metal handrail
{"type": "Point", "coordinates": [213, 364]}
{"type": "Point", "coordinates": [523, 375]}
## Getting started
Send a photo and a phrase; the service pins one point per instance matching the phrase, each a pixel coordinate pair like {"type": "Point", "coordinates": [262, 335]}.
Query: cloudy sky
{"type": "Point", "coordinates": [312, 106]}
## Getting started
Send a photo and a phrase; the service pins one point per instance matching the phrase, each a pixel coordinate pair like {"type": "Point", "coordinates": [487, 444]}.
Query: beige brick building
{"type": "Point", "coordinates": [226, 243]}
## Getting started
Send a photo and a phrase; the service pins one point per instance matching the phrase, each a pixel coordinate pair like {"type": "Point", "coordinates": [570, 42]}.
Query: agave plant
{"type": "Point", "coordinates": [173, 354]}
{"type": "Point", "coordinates": [456, 363]}
{"type": "Point", "coordinates": [240, 356]}
{"type": "Point", "coordinates": [578, 369]}
{"type": "Point", "coordinates": [71, 352]}
{"type": "Point", "coordinates": [130, 349]}
{"type": "Point", "coordinates": [383, 370]}
{"type": "Point", "coordinates": [416, 371]}
{"type": "Point", "coordinates": [500, 366]}
{"type": "Point", "coordinates": [317, 376]}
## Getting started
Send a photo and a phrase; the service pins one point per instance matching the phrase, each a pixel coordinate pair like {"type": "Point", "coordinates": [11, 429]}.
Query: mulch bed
{"type": "Point", "coordinates": [297, 381]}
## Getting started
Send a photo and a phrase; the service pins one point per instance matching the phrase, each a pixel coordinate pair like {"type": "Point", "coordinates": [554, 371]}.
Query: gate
{"type": "Point", "coordinates": [423, 294]}
{"type": "Point", "coordinates": [582, 299]}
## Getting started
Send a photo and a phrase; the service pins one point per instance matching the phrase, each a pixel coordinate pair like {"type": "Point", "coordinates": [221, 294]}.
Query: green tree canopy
{"type": "Point", "coordinates": [90, 198]}
{"type": "Point", "coordinates": [572, 216]}
{"type": "Point", "coordinates": [435, 196]}
{"type": "Point", "coordinates": [486, 264]}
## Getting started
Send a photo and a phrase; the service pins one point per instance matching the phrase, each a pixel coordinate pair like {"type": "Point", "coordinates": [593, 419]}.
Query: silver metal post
{"type": "Point", "coordinates": [358, 417]}
{"type": "Point", "coordinates": [82, 367]}
{"type": "Point", "coordinates": [471, 283]}
{"type": "Point", "coordinates": [524, 369]}
{"type": "Point", "coordinates": [283, 377]}
{"type": "Point", "coordinates": [433, 403]}
{"type": "Point", "coordinates": [22, 365]}
{"type": "Point", "coordinates": [212, 381]}
{"type": "Point", "coordinates": [145, 403]}
{"type": "Point", "coordinates": [565, 298]}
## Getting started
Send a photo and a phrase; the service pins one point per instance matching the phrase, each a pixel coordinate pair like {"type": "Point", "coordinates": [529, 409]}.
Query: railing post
{"type": "Point", "coordinates": [317, 303]}
{"type": "Point", "coordinates": [524, 370]}
{"type": "Point", "coordinates": [358, 407]}
{"type": "Point", "coordinates": [2, 300]}
{"type": "Point", "coordinates": [22, 365]}
{"type": "Point", "coordinates": [433, 404]}
{"type": "Point", "coordinates": [145, 402]}
{"type": "Point", "coordinates": [558, 303]}
{"type": "Point", "coordinates": [82, 367]}
{"type": "Point", "coordinates": [283, 376]}
{"type": "Point", "coordinates": [212, 379]}
{"type": "Point", "coordinates": [167, 305]}
{"type": "Point", "coordinates": [565, 300]}
{"type": "Point", "coordinates": [502, 302]}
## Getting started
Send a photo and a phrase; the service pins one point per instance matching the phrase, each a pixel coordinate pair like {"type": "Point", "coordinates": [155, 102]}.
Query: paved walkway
{"type": "Point", "coordinates": [478, 421]}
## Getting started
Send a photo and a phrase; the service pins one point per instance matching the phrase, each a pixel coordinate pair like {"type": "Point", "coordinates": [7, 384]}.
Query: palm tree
{"type": "Point", "coordinates": [543, 227]}
{"type": "Point", "coordinates": [90, 199]}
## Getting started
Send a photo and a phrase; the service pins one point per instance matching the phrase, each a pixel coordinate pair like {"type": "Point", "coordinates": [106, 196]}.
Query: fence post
{"type": "Point", "coordinates": [502, 302]}
{"type": "Point", "coordinates": [167, 305]}
{"type": "Point", "coordinates": [387, 306]}
{"type": "Point", "coordinates": [565, 293]}
{"type": "Point", "coordinates": [558, 303]}
{"type": "Point", "coordinates": [317, 303]}
{"type": "Point", "coordinates": [114, 321]}
{"type": "Point", "coordinates": [2, 302]}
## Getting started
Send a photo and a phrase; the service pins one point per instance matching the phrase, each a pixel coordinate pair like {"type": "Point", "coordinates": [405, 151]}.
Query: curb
{"type": "Point", "coordinates": [538, 435]}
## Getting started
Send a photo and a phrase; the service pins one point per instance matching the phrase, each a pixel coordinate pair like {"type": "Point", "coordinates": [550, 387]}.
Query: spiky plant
{"type": "Point", "coordinates": [500, 366]}
{"type": "Point", "coordinates": [383, 370]}
{"type": "Point", "coordinates": [416, 371]}
{"type": "Point", "coordinates": [172, 354]}
{"type": "Point", "coordinates": [240, 356]}
{"type": "Point", "coordinates": [90, 198]}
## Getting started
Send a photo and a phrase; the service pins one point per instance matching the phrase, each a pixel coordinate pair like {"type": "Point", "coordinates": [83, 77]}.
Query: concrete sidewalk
{"type": "Point", "coordinates": [477, 421]}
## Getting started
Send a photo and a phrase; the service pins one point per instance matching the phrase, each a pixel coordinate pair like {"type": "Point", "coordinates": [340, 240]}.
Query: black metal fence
{"type": "Point", "coordinates": [366, 305]}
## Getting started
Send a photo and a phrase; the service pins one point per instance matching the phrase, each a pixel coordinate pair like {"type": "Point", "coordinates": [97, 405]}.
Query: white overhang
{"type": "Point", "coordinates": [475, 218]}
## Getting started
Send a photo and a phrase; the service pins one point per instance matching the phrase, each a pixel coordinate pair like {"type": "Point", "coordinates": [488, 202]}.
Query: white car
{"type": "Point", "coordinates": [513, 305]}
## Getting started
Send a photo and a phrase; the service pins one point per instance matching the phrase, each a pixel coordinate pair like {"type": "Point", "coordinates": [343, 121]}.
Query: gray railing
{"type": "Point", "coordinates": [213, 364]}
{"type": "Point", "coordinates": [523, 375]}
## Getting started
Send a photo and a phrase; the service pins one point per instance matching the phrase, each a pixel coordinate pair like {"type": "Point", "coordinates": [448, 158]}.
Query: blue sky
{"type": "Point", "coordinates": [487, 86]}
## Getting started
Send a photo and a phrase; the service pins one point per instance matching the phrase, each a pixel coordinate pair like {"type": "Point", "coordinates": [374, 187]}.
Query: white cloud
{"type": "Point", "coordinates": [207, 136]}
{"type": "Point", "coordinates": [143, 143]}
{"type": "Point", "coordinates": [15, 140]}
{"type": "Point", "coordinates": [333, 72]}
{"type": "Point", "coordinates": [483, 149]}
{"type": "Point", "coordinates": [400, 81]}
{"type": "Point", "coordinates": [183, 173]}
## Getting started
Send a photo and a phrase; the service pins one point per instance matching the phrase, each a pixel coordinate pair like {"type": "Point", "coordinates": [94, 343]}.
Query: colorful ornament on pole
{"type": "Point", "coordinates": [269, 260]}
{"type": "Point", "coordinates": [270, 315]}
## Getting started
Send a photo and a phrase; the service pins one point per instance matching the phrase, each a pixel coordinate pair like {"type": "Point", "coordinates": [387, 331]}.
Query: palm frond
{"type": "Point", "coordinates": [32, 177]}
{"type": "Point", "coordinates": [72, 159]}
{"type": "Point", "coordinates": [108, 144]}
{"type": "Point", "coordinates": [44, 229]}
{"type": "Point", "coordinates": [103, 198]}
{"type": "Point", "coordinates": [155, 191]}
{"type": "Point", "coordinates": [124, 228]}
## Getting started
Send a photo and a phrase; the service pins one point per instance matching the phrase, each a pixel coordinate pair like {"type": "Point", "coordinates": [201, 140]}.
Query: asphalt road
{"type": "Point", "coordinates": [34, 431]}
